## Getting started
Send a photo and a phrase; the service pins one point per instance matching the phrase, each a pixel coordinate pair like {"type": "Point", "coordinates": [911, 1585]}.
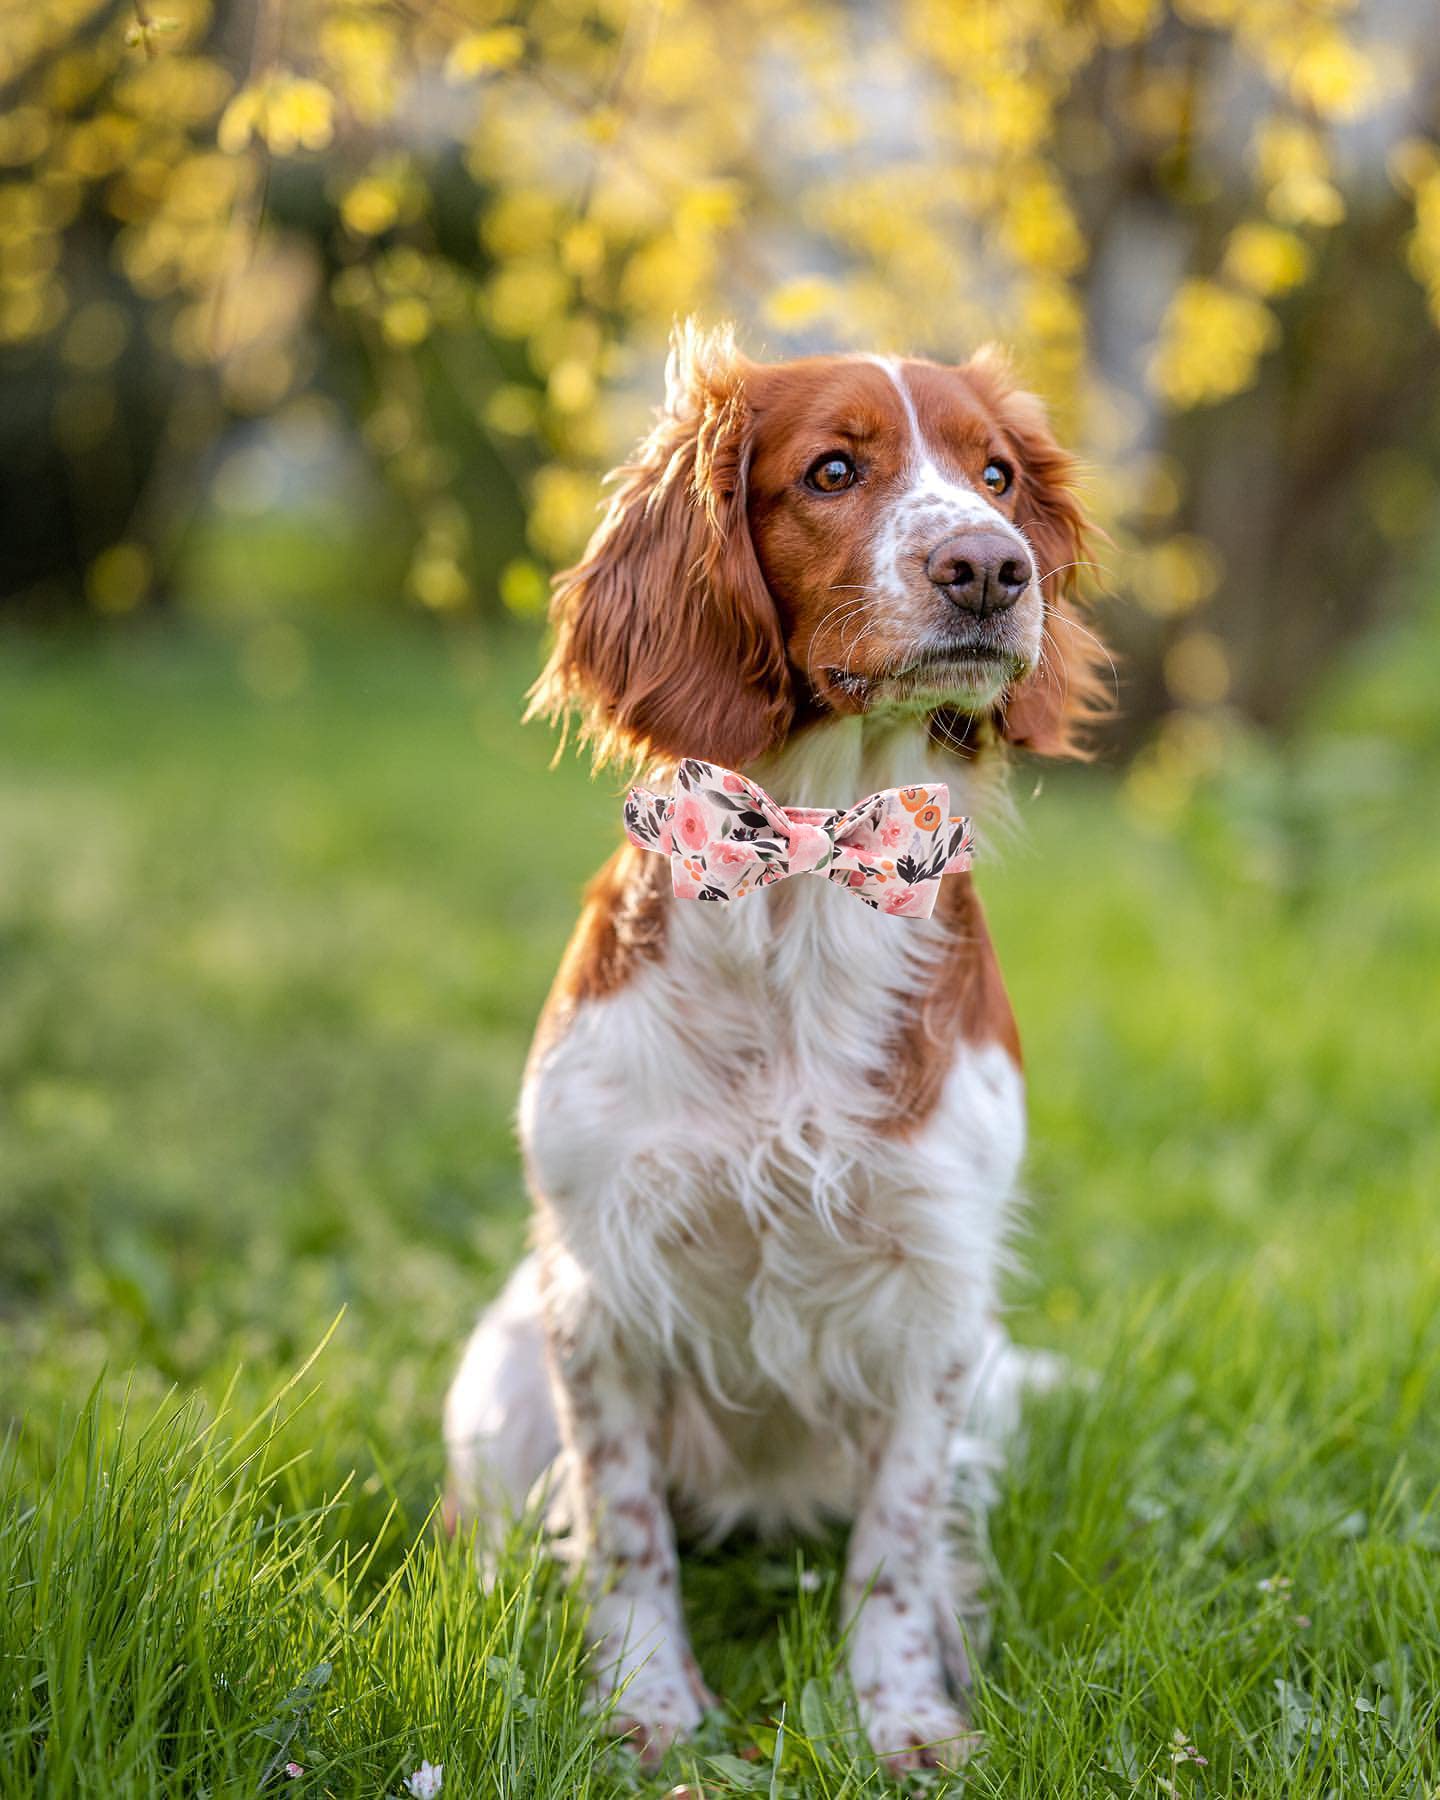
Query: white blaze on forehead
{"type": "Point", "coordinates": [929, 486]}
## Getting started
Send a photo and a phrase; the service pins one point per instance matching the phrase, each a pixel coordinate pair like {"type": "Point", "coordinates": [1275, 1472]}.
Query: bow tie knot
{"type": "Point", "coordinates": [812, 840]}
{"type": "Point", "coordinates": [726, 837]}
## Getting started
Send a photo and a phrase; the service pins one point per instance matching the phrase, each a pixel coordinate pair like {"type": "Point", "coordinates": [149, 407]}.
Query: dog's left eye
{"type": "Point", "coordinates": [831, 473]}
{"type": "Point", "coordinates": [998, 476]}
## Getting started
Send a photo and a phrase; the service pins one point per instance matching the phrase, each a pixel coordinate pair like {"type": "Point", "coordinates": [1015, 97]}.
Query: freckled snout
{"type": "Point", "coordinates": [982, 572]}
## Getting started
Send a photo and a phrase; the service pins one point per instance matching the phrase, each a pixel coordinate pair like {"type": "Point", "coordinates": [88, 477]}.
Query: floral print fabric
{"type": "Point", "coordinates": [726, 837]}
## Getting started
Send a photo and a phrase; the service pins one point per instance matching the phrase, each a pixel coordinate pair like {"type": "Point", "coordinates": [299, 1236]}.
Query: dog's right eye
{"type": "Point", "coordinates": [831, 473]}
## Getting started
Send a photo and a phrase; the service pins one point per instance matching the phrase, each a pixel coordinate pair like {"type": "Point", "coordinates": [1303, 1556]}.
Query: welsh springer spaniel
{"type": "Point", "coordinates": [773, 1145]}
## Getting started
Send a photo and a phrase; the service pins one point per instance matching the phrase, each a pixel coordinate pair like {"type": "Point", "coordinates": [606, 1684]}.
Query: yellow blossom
{"type": "Point", "coordinates": [371, 206]}
{"type": "Point", "coordinates": [1265, 259]}
{"type": "Point", "coordinates": [1176, 575]}
{"type": "Point", "coordinates": [406, 321]}
{"type": "Point", "coordinates": [482, 52]}
{"type": "Point", "coordinates": [1331, 75]}
{"type": "Point", "coordinates": [796, 304]}
{"type": "Point", "coordinates": [523, 588]}
{"type": "Point", "coordinates": [1211, 342]}
{"type": "Point", "coordinates": [287, 112]}
{"type": "Point", "coordinates": [1294, 166]}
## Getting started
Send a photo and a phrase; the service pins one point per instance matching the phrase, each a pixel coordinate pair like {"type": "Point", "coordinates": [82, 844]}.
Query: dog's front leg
{"type": "Point", "coordinates": [608, 1410]}
{"type": "Point", "coordinates": [898, 1593]}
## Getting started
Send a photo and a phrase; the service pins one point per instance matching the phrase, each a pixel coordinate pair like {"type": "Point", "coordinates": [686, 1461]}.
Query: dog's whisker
{"type": "Point", "coordinates": [1081, 562]}
{"type": "Point", "coordinates": [1084, 631]}
{"type": "Point", "coordinates": [846, 607]}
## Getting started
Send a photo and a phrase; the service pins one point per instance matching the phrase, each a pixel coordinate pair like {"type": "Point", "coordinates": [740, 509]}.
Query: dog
{"type": "Point", "coordinates": [773, 1145]}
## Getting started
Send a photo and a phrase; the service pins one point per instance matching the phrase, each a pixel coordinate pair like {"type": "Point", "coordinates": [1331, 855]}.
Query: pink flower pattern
{"type": "Point", "coordinates": [726, 837]}
{"type": "Point", "coordinates": [690, 823]}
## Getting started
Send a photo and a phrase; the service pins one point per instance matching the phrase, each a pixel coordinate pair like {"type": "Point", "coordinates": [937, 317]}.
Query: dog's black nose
{"type": "Point", "coordinates": [981, 572]}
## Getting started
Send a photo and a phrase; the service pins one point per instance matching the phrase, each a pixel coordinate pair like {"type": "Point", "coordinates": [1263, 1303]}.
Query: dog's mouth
{"type": "Point", "coordinates": [955, 674]}
{"type": "Point", "coordinates": [961, 659]}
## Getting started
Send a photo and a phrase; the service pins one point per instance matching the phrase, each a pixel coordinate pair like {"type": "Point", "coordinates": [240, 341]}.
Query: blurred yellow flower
{"type": "Point", "coordinates": [406, 321]}
{"type": "Point", "coordinates": [522, 295]}
{"type": "Point", "coordinates": [1294, 167]}
{"type": "Point", "coordinates": [1215, 13]}
{"type": "Point", "coordinates": [520, 222]}
{"type": "Point", "coordinates": [360, 54]}
{"type": "Point", "coordinates": [709, 205]}
{"type": "Point", "coordinates": [1174, 577]}
{"type": "Point", "coordinates": [1301, 199]}
{"type": "Point", "coordinates": [482, 52]}
{"type": "Point", "coordinates": [371, 206]}
{"type": "Point", "coordinates": [1413, 160]}
{"type": "Point", "coordinates": [513, 410]}
{"type": "Point", "coordinates": [99, 146]}
{"type": "Point", "coordinates": [202, 187]}
{"type": "Point", "coordinates": [24, 134]}
{"type": "Point", "coordinates": [669, 276]}
{"type": "Point", "coordinates": [1331, 75]}
{"type": "Point", "coordinates": [1126, 21]}
{"type": "Point", "coordinates": [603, 124]}
{"type": "Point", "coordinates": [795, 304]}
{"type": "Point", "coordinates": [287, 112]}
{"type": "Point", "coordinates": [1423, 247]}
{"type": "Point", "coordinates": [30, 312]}
{"type": "Point", "coordinates": [562, 511]}
{"type": "Point", "coordinates": [571, 385]}
{"type": "Point", "coordinates": [523, 588]}
{"type": "Point", "coordinates": [582, 248]}
{"type": "Point", "coordinates": [1265, 259]}
{"type": "Point", "coordinates": [1039, 225]}
{"type": "Point", "coordinates": [439, 583]}
{"type": "Point", "coordinates": [1211, 342]}
{"type": "Point", "coordinates": [181, 90]}
{"type": "Point", "coordinates": [238, 122]}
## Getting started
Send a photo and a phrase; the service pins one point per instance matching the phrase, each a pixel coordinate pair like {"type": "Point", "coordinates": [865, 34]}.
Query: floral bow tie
{"type": "Point", "coordinates": [726, 837]}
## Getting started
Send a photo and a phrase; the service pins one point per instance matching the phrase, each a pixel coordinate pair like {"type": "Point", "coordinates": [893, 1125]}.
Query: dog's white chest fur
{"type": "Point", "coordinates": [708, 1142]}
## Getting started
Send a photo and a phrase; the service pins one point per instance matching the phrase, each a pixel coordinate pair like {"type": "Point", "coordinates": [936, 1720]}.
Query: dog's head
{"type": "Point", "coordinates": [839, 534]}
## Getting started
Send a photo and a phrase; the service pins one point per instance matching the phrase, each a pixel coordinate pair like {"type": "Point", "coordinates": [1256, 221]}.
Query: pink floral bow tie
{"type": "Point", "coordinates": [725, 837]}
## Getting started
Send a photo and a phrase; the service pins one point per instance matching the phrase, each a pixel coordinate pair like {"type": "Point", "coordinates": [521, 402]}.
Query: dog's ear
{"type": "Point", "coordinates": [1050, 710]}
{"type": "Point", "coordinates": [667, 641]}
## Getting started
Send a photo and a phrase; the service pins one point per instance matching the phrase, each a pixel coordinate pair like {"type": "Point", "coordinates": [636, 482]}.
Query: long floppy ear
{"type": "Point", "coordinates": [1050, 711]}
{"type": "Point", "coordinates": [667, 642]}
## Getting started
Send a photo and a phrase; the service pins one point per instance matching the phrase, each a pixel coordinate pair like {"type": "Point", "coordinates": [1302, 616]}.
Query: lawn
{"type": "Point", "coordinates": [269, 965]}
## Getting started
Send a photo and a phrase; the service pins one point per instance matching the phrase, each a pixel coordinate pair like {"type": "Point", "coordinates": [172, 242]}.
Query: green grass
{"type": "Point", "coordinates": [268, 974]}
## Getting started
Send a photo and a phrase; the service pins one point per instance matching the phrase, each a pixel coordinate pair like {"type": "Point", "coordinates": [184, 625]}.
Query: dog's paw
{"type": "Point", "coordinates": [647, 1682]}
{"type": "Point", "coordinates": [916, 1731]}
{"type": "Point", "coordinates": [655, 1709]}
